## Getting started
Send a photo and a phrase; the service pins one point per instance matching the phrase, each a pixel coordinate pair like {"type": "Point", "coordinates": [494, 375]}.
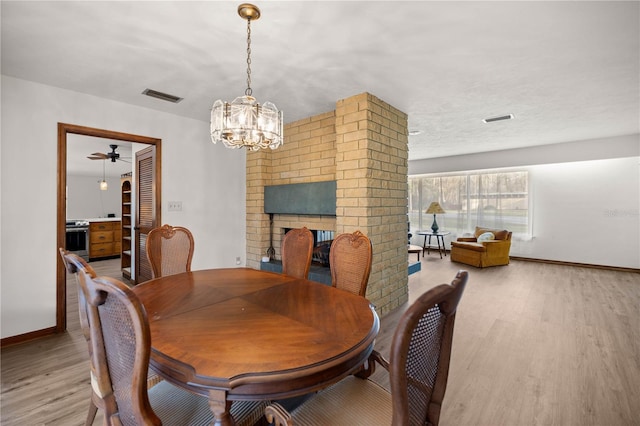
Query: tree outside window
{"type": "Point", "coordinates": [488, 199]}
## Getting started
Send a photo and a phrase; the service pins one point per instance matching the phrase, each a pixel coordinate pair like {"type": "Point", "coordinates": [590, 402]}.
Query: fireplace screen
{"type": "Point", "coordinates": [321, 244]}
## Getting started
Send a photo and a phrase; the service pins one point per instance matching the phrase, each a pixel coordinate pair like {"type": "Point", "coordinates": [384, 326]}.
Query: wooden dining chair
{"type": "Point", "coordinates": [94, 402]}
{"type": "Point", "coordinates": [296, 251]}
{"type": "Point", "coordinates": [82, 271]}
{"type": "Point", "coordinates": [170, 250]}
{"type": "Point", "coordinates": [418, 369]}
{"type": "Point", "coordinates": [120, 342]}
{"type": "Point", "coordinates": [350, 262]}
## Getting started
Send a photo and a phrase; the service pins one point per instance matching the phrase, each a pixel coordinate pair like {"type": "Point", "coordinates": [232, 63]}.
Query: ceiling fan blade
{"type": "Point", "coordinates": [96, 158]}
{"type": "Point", "coordinates": [124, 161]}
{"type": "Point", "coordinates": [100, 155]}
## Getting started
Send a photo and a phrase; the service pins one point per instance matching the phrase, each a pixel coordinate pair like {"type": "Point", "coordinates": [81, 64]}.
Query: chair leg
{"type": "Point", "coordinates": [91, 416]}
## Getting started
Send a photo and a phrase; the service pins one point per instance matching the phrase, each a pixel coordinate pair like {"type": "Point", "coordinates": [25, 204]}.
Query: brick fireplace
{"type": "Point", "coordinates": [363, 146]}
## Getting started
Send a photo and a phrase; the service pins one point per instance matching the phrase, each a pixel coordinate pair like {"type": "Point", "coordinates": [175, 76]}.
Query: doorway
{"type": "Point", "coordinates": [63, 131]}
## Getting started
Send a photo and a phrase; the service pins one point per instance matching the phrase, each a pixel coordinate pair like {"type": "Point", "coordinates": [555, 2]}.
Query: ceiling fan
{"type": "Point", "coordinates": [113, 155]}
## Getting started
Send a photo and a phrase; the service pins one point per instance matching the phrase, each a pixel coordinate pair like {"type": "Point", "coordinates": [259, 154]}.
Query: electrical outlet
{"type": "Point", "coordinates": [238, 260]}
{"type": "Point", "coordinates": [175, 206]}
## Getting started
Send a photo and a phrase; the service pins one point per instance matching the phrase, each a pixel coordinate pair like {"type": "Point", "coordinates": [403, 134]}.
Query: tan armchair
{"type": "Point", "coordinates": [470, 251]}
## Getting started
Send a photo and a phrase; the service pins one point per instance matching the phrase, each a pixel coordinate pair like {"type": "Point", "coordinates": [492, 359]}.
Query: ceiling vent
{"type": "Point", "coordinates": [502, 117]}
{"type": "Point", "coordinates": [159, 95]}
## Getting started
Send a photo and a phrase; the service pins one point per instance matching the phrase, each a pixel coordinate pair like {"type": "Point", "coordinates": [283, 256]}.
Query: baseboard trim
{"type": "Point", "coordinates": [21, 338]}
{"type": "Point", "coordinates": [582, 265]}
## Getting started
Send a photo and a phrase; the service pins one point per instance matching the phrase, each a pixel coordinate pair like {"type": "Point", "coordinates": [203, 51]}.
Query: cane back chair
{"type": "Point", "coordinates": [297, 250]}
{"type": "Point", "coordinates": [170, 250]}
{"type": "Point", "coordinates": [120, 351]}
{"type": "Point", "coordinates": [418, 371]}
{"type": "Point", "coordinates": [350, 262]}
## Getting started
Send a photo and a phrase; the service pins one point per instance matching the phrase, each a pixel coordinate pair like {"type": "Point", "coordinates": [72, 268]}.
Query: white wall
{"type": "Point", "coordinates": [585, 198]}
{"type": "Point", "coordinates": [586, 212]}
{"type": "Point", "coordinates": [85, 199]}
{"type": "Point", "coordinates": [208, 179]}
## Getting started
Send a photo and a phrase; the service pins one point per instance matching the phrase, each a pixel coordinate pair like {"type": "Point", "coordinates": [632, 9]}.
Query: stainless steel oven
{"type": "Point", "coordinates": [77, 240]}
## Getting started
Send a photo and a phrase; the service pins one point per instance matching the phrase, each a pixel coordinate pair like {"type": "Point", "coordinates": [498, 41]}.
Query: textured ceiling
{"type": "Point", "coordinates": [566, 70]}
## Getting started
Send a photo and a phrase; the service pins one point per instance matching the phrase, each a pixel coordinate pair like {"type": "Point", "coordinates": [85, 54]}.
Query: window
{"type": "Point", "coordinates": [488, 199]}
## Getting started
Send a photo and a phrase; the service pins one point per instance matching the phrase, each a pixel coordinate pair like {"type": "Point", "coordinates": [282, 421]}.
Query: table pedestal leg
{"type": "Point", "coordinates": [220, 408]}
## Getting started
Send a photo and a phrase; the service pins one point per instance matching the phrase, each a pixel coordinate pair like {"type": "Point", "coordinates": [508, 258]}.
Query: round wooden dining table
{"type": "Point", "coordinates": [244, 334]}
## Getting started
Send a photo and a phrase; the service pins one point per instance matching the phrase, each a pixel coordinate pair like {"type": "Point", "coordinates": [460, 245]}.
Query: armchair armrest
{"type": "Point", "coordinates": [497, 247]}
{"type": "Point", "coordinates": [467, 239]}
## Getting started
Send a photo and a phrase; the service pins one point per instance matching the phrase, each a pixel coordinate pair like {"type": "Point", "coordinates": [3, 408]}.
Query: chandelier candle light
{"type": "Point", "coordinates": [435, 208]}
{"type": "Point", "coordinates": [244, 122]}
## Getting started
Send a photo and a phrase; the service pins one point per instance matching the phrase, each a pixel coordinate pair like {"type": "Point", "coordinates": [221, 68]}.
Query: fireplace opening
{"type": "Point", "coordinates": [321, 245]}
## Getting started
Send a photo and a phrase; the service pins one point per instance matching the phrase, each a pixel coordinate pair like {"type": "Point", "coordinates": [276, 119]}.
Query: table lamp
{"type": "Point", "coordinates": [435, 208]}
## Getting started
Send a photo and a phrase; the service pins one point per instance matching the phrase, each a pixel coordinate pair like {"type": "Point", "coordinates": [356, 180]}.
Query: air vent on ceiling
{"type": "Point", "coordinates": [159, 95]}
{"type": "Point", "coordinates": [502, 117]}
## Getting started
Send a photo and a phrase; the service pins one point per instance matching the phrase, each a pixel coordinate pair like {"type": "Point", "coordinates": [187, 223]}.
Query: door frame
{"type": "Point", "coordinates": [63, 130]}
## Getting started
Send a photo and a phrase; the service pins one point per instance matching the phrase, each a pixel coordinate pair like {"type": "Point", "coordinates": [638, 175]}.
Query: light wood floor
{"type": "Point", "coordinates": [534, 344]}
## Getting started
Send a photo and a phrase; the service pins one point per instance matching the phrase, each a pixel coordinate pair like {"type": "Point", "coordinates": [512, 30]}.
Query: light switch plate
{"type": "Point", "coordinates": [175, 206]}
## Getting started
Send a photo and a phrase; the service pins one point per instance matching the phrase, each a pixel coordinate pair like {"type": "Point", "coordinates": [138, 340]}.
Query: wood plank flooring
{"type": "Point", "coordinates": [534, 344]}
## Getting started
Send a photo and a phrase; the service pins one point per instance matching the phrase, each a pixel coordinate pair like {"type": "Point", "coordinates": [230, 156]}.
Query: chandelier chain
{"type": "Point", "coordinates": [248, 91]}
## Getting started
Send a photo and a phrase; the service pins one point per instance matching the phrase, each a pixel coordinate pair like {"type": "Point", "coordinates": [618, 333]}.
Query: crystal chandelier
{"type": "Point", "coordinates": [244, 122]}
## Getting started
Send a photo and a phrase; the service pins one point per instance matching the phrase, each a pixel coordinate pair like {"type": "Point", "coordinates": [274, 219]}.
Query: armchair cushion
{"type": "Point", "coordinates": [479, 247]}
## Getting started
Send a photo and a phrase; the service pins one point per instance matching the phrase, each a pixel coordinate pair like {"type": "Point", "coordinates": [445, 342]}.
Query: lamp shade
{"type": "Point", "coordinates": [435, 208]}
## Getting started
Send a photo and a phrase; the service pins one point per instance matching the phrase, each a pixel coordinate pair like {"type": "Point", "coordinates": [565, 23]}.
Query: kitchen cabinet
{"type": "Point", "coordinates": [104, 239]}
{"type": "Point", "coordinates": [126, 231]}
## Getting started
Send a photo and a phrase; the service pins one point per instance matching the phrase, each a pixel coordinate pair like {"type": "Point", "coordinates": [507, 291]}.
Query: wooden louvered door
{"type": "Point", "coordinates": [148, 211]}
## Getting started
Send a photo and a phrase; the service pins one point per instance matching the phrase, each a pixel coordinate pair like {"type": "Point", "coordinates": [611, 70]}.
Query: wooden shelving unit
{"type": "Point", "coordinates": [127, 227]}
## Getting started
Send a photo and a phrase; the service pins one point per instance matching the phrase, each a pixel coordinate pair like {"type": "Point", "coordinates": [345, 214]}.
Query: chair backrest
{"type": "Point", "coordinates": [170, 250]}
{"type": "Point", "coordinates": [500, 234]}
{"type": "Point", "coordinates": [420, 354]}
{"type": "Point", "coordinates": [76, 265]}
{"type": "Point", "coordinates": [350, 262]}
{"type": "Point", "coordinates": [296, 252]}
{"type": "Point", "coordinates": [121, 347]}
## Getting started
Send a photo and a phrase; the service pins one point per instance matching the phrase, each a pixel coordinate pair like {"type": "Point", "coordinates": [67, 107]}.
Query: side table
{"type": "Point", "coordinates": [439, 239]}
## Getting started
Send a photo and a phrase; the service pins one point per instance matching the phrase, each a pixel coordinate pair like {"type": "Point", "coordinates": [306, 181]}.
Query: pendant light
{"type": "Point", "coordinates": [244, 123]}
{"type": "Point", "coordinates": [103, 184]}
